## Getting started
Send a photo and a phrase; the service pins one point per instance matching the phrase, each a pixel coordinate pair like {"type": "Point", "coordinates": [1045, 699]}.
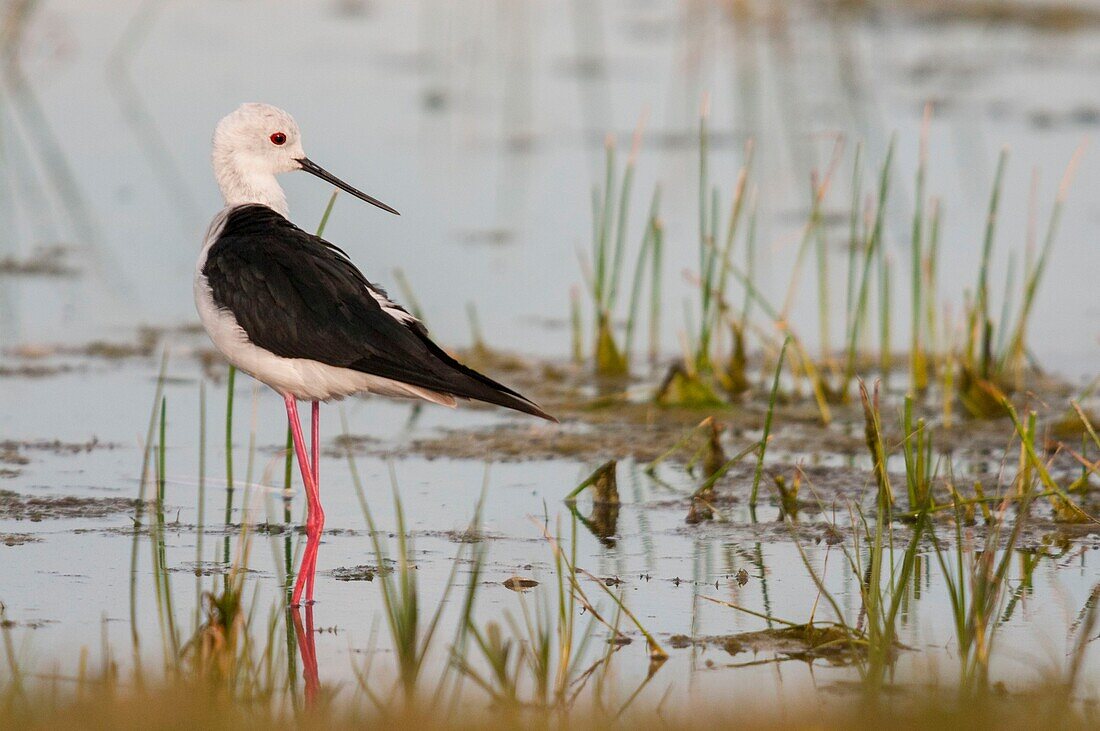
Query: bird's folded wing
{"type": "Point", "coordinates": [298, 296]}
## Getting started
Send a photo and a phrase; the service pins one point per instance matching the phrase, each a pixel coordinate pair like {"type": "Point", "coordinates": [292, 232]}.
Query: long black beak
{"type": "Point", "coordinates": [314, 169]}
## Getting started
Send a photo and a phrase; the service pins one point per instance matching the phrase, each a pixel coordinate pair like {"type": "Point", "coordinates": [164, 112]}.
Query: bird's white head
{"type": "Point", "coordinates": [252, 145]}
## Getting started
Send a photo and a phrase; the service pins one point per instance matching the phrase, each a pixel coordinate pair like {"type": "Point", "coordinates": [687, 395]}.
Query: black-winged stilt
{"type": "Point", "coordinates": [291, 310]}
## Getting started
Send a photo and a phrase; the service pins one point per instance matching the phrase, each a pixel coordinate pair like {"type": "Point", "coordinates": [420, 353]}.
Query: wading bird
{"type": "Point", "coordinates": [292, 311]}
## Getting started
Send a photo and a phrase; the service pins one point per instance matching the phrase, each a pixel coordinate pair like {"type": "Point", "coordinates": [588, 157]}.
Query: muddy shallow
{"type": "Point", "coordinates": [67, 531]}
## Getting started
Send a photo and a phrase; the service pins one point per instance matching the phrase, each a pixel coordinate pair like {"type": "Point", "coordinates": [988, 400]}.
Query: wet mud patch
{"type": "Point", "coordinates": [806, 533]}
{"type": "Point", "coordinates": [819, 475]}
{"type": "Point", "coordinates": [18, 539]}
{"type": "Point", "coordinates": [278, 529]}
{"type": "Point", "coordinates": [35, 371]}
{"type": "Point", "coordinates": [6, 623]}
{"type": "Point", "coordinates": [143, 344]}
{"type": "Point", "coordinates": [1048, 17]}
{"type": "Point", "coordinates": [45, 261]}
{"type": "Point", "coordinates": [466, 535]}
{"type": "Point", "coordinates": [619, 419]}
{"type": "Point", "coordinates": [147, 526]}
{"type": "Point", "coordinates": [12, 451]}
{"type": "Point", "coordinates": [16, 506]}
{"type": "Point", "coordinates": [363, 572]}
{"type": "Point", "coordinates": [207, 568]}
{"type": "Point", "coordinates": [506, 443]}
{"type": "Point", "coordinates": [828, 642]}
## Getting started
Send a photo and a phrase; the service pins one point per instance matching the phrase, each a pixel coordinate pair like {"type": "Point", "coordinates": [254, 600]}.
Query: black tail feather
{"type": "Point", "coordinates": [470, 384]}
{"type": "Point", "coordinates": [446, 375]}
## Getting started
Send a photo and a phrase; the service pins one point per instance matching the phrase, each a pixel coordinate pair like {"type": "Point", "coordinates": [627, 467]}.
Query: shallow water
{"type": "Point", "coordinates": [70, 586]}
{"type": "Point", "coordinates": [485, 128]}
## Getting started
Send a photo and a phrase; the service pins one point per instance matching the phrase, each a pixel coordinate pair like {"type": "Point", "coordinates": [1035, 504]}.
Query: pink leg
{"type": "Point", "coordinates": [315, 516]}
{"type": "Point", "coordinates": [309, 564]}
{"type": "Point", "coordinates": [315, 448]}
{"type": "Point", "coordinates": [307, 647]}
{"type": "Point", "coordinates": [315, 442]}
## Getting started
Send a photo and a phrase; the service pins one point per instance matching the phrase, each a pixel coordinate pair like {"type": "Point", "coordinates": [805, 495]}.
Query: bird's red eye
{"type": "Point", "coordinates": [278, 138]}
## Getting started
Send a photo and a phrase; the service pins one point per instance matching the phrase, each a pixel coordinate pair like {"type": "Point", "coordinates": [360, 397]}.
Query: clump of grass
{"type": "Point", "coordinates": [543, 659]}
{"type": "Point", "coordinates": [214, 653]}
{"type": "Point", "coordinates": [976, 584]}
{"type": "Point", "coordinates": [411, 636]}
{"type": "Point", "coordinates": [603, 483]}
{"type": "Point", "coordinates": [788, 492]}
{"type": "Point", "coordinates": [885, 580]}
{"type": "Point", "coordinates": [715, 347]}
{"type": "Point", "coordinates": [604, 270]}
{"type": "Point", "coordinates": [917, 447]}
{"type": "Point", "coordinates": [996, 353]}
{"type": "Point", "coordinates": [604, 519]}
{"type": "Point", "coordinates": [701, 375]}
{"type": "Point", "coordinates": [712, 370]}
{"type": "Point", "coordinates": [876, 443]}
{"type": "Point", "coordinates": [1033, 468]}
{"type": "Point", "coordinates": [704, 445]}
{"type": "Point", "coordinates": [884, 590]}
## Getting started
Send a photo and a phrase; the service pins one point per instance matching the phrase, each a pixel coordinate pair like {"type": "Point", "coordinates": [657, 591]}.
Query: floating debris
{"type": "Point", "coordinates": [518, 583]}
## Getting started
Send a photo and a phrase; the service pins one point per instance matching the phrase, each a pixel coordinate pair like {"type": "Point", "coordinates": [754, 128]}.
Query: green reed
{"type": "Point", "coordinates": [410, 634]}
{"type": "Point", "coordinates": [1013, 356]}
{"type": "Point", "coordinates": [917, 447]}
{"type": "Point", "coordinates": [230, 394]}
{"type": "Point", "coordinates": [979, 323]}
{"type": "Point", "coordinates": [873, 243]}
{"type": "Point", "coordinates": [200, 517]}
{"type": "Point", "coordinates": [976, 585]}
{"type": "Point", "coordinates": [140, 504]}
{"type": "Point", "coordinates": [605, 267]}
{"type": "Point", "coordinates": [767, 424]}
{"type": "Point", "coordinates": [876, 443]}
{"type": "Point", "coordinates": [540, 652]}
{"type": "Point", "coordinates": [918, 365]}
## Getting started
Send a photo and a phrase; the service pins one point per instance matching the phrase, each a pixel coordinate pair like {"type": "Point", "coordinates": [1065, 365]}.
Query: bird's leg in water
{"type": "Point", "coordinates": [315, 516]}
{"type": "Point", "coordinates": [319, 516]}
{"type": "Point", "coordinates": [307, 646]}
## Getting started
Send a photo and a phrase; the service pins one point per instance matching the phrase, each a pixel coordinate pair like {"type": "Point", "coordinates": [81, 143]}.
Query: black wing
{"type": "Point", "coordinates": [299, 296]}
